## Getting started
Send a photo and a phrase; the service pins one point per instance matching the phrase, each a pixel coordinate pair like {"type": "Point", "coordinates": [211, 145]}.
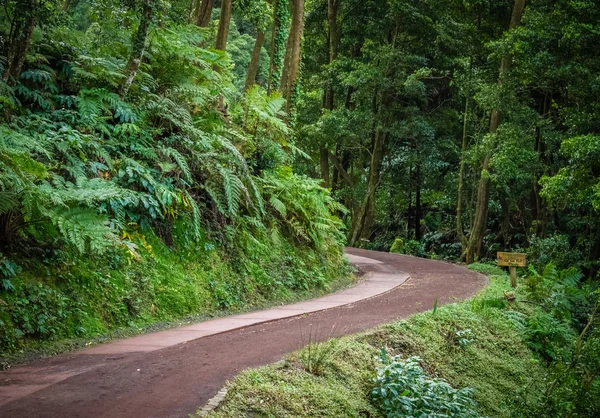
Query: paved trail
{"type": "Point", "coordinates": [172, 373]}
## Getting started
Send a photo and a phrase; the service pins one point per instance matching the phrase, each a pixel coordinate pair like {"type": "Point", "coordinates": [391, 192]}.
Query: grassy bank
{"type": "Point", "coordinates": [473, 344]}
{"type": "Point", "coordinates": [62, 301]}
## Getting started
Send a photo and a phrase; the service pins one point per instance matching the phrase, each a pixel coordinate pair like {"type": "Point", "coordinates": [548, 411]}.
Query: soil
{"type": "Point", "coordinates": [176, 381]}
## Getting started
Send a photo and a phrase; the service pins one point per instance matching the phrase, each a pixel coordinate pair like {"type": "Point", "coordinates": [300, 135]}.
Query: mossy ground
{"type": "Point", "coordinates": [508, 378]}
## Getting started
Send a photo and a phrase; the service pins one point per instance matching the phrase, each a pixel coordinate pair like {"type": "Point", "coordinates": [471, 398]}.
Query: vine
{"type": "Point", "coordinates": [282, 18]}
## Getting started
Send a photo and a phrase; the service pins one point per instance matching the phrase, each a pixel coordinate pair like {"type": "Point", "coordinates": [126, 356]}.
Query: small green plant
{"type": "Point", "coordinates": [464, 337]}
{"type": "Point", "coordinates": [402, 389]}
{"type": "Point", "coordinates": [315, 356]}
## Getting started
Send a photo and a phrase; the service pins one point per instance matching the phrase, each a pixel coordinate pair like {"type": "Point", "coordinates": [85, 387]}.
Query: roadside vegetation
{"type": "Point", "coordinates": [137, 184]}
{"type": "Point", "coordinates": [503, 353]}
{"type": "Point", "coordinates": [163, 161]}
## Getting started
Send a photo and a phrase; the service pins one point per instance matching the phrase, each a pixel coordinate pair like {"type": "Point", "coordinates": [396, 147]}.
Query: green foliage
{"type": "Point", "coordinates": [397, 246]}
{"type": "Point", "coordinates": [92, 172]}
{"type": "Point", "coordinates": [410, 247]}
{"type": "Point", "coordinates": [403, 389]}
{"type": "Point", "coordinates": [507, 378]}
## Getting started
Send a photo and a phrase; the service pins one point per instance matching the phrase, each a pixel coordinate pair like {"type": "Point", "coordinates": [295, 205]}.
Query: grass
{"type": "Point", "coordinates": [507, 377]}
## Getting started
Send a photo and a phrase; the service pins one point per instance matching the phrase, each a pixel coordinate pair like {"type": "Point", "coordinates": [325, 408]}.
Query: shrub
{"type": "Point", "coordinates": [398, 246]}
{"type": "Point", "coordinates": [402, 389]}
{"type": "Point", "coordinates": [410, 247]}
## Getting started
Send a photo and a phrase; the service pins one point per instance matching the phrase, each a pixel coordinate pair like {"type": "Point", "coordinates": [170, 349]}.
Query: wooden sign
{"type": "Point", "coordinates": [511, 259]}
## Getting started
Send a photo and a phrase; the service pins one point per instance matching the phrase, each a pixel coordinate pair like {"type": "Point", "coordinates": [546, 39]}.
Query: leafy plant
{"type": "Point", "coordinates": [402, 389]}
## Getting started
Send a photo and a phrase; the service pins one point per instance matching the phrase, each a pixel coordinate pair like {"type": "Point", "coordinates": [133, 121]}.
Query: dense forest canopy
{"type": "Point", "coordinates": [277, 131]}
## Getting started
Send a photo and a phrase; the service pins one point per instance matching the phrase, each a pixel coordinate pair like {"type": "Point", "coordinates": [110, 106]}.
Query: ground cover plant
{"type": "Point", "coordinates": [479, 357]}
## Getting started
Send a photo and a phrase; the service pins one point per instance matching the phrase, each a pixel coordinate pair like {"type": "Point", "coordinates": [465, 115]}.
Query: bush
{"type": "Point", "coordinates": [398, 246]}
{"type": "Point", "coordinates": [410, 247]}
{"type": "Point", "coordinates": [555, 249]}
{"type": "Point", "coordinates": [415, 248]}
{"type": "Point", "coordinates": [402, 389]}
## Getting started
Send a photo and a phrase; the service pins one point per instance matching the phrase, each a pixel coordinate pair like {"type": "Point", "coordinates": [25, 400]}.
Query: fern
{"type": "Point", "coordinates": [83, 227]}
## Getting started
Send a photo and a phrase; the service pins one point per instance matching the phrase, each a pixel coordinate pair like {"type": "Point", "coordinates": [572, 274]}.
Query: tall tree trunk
{"type": "Point", "coordinates": [281, 20]}
{"type": "Point", "coordinates": [255, 60]}
{"type": "Point", "coordinates": [461, 179]}
{"type": "Point", "coordinates": [332, 9]}
{"type": "Point", "coordinates": [295, 45]}
{"type": "Point", "coordinates": [332, 12]}
{"type": "Point", "coordinates": [285, 71]}
{"type": "Point", "coordinates": [463, 157]}
{"type": "Point", "coordinates": [483, 189]}
{"type": "Point", "coordinates": [224, 21]}
{"type": "Point", "coordinates": [205, 13]}
{"type": "Point", "coordinates": [139, 46]}
{"type": "Point", "coordinates": [19, 39]}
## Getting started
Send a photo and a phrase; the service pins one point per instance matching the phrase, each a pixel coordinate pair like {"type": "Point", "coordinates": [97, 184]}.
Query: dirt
{"type": "Point", "coordinates": [175, 381]}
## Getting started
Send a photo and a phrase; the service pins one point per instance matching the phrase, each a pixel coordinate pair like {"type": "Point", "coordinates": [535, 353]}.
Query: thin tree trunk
{"type": "Point", "coordinates": [336, 174]}
{"type": "Point", "coordinates": [366, 218]}
{"type": "Point", "coordinates": [255, 60]}
{"type": "Point", "coordinates": [332, 12]}
{"type": "Point", "coordinates": [483, 190]}
{"type": "Point", "coordinates": [19, 39]}
{"type": "Point", "coordinates": [285, 72]}
{"type": "Point", "coordinates": [204, 13]}
{"type": "Point", "coordinates": [139, 47]}
{"type": "Point", "coordinates": [324, 164]}
{"type": "Point", "coordinates": [277, 51]}
{"type": "Point", "coordinates": [418, 203]}
{"type": "Point", "coordinates": [461, 173]}
{"type": "Point", "coordinates": [332, 8]}
{"type": "Point", "coordinates": [461, 179]}
{"type": "Point", "coordinates": [224, 21]}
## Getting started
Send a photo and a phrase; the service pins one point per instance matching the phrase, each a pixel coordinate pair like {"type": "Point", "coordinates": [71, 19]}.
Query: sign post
{"type": "Point", "coordinates": [512, 261]}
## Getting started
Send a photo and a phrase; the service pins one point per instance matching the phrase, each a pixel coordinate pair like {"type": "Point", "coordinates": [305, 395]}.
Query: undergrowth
{"type": "Point", "coordinates": [62, 301]}
{"type": "Point", "coordinates": [473, 344]}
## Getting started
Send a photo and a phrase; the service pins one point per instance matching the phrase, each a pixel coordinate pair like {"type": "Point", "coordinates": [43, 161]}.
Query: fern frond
{"type": "Point", "coordinates": [179, 160]}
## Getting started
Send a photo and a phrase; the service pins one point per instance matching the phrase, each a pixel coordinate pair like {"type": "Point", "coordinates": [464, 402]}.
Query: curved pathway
{"type": "Point", "coordinates": [172, 373]}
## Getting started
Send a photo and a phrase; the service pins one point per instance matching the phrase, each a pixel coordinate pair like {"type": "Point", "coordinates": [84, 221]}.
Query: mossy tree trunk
{"type": "Point", "coordinates": [139, 46]}
{"type": "Point", "coordinates": [291, 70]}
{"type": "Point", "coordinates": [279, 35]}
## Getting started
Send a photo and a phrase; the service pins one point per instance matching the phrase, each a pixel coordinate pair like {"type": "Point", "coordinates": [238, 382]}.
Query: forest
{"type": "Point", "coordinates": [163, 160]}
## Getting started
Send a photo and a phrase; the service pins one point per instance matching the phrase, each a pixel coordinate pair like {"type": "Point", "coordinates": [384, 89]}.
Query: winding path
{"type": "Point", "coordinates": [172, 373]}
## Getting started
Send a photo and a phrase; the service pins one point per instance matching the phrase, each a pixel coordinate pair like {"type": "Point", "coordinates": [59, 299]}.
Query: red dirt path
{"type": "Point", "coordinates": [175, 381]}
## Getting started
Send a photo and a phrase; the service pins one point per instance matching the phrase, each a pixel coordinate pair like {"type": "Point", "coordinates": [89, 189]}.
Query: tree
{"type": "Point", "coordinates": [25, 14]}
{"type": "Point", "coordinates": [139, 45]}
{"type": "Point", "coordinates": [224, 20]}
{"type": "Point", "coordinates": [473, 250]}
{"type": "Point", "coordinates": [204, 12]}
{"type": "Point", "coordinates": [291, 69]}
